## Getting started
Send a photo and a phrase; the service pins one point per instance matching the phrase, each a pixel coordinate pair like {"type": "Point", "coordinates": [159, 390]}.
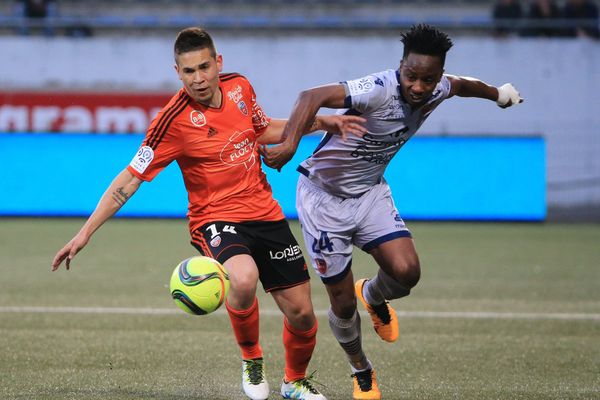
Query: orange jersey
{"type": "Point", "coordinates": [216, 149]}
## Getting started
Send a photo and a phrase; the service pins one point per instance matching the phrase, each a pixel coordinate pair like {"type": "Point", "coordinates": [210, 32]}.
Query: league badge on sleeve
{"type": "Point", "coordinates": [142, 159]}
{"type": "Point", "coordinates": [360, 86]}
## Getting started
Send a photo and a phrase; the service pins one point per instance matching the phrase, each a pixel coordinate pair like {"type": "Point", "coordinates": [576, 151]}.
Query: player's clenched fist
{"type": "Point", "coordinates": [508, 96]}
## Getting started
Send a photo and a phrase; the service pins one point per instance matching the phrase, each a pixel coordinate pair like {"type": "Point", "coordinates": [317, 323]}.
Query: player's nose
{"type": "Point", "coordinates": [198, 77]}
{"type": "Point", "coordinates": [417, 87]}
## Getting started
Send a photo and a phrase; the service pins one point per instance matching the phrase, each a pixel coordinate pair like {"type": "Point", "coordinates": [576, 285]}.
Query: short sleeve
{"type": "Point", "coordinates": [444, 86]}
{"type": "Point", "coordinates": [260, 121]}
{"type": "Point", "coordinates": [365, 94]}
{"type": "Point", "coordinates": [156, 152]}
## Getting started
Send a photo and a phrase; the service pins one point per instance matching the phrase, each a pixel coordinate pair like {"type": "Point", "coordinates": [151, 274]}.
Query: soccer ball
{"type": "Point", "coordinates": [199, 285]}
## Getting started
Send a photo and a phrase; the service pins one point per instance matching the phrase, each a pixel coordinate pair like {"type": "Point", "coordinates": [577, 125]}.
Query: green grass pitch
{"type": "Point", "coordinates": [503, 311]}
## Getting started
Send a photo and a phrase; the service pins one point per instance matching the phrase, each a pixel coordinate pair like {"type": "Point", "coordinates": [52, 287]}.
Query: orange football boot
{"type": "Point", "coordinates": [365, 386]}
{"type": "Point", "coordinates": [383, 316]}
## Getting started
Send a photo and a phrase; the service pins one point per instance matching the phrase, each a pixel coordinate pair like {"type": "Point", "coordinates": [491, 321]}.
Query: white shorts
{"type": "Point", "coordinates": [331, 225]}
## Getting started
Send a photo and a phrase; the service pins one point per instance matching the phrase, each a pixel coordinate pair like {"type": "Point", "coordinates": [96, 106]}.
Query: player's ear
{"type": "Point", "coordinates": [220, 62]}
{"type": "Point", "coordinates": [177, 70]}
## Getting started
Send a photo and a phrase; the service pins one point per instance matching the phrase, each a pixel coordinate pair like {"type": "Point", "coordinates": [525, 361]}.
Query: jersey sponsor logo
{"type": "Point", "coordinates": [360, 86]}
{"type": "Point", "coordinates": [197, 118]}
{"type": "Point", "coordinates": [242, 106]}
{"type": "Point", "coordinates": [235, 95]}
{"type": "Point", "coordinates": [142, 159]}
{"type": "Point", "coordinates": [259, 119]}
{"type": "Point", "coordinates": [380, 149]}
{"type": "Point", "coordinates": [240, 150]}
{"type": "Point", "coordinates": [291, 253]}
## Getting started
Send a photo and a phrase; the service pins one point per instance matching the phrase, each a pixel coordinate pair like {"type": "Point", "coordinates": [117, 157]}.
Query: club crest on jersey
{"type": "Point", "coordinates": [197, 118]}
{"type": "Point", "coordinates": [142, 159]}
{"type": "Point", "coordinates": [321, 265]}
{"type": "Point", "coordinates": [242, 106]}
{"type": "Point", "coordinates": [216, 241]}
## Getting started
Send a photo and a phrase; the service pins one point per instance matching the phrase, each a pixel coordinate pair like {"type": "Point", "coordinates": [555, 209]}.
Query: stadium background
{"type": "Point", "coordinates": [504, 310]}
{"type": "Point", "coordinates": [284, 47]}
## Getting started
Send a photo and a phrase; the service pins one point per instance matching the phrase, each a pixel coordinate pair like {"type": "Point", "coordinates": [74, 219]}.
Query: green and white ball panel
{"type": "Point", "coordinates": [199, 285]}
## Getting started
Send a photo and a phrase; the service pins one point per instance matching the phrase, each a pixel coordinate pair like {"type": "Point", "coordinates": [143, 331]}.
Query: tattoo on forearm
{"type": "Point", "coordinates": [120, 196]}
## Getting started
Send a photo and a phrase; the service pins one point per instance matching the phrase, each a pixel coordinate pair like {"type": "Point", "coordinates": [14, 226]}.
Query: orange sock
{"type": "Point", "coordinates": [299, 346]}
{"type": "Point", "coordinates": [245, 324]}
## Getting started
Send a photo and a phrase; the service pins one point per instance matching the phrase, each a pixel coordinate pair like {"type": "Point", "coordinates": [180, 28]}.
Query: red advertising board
{"type": "Point", "coordinates": [79, 112]}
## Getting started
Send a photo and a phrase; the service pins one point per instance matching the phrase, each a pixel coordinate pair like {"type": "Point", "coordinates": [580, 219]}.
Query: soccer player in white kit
{"type": "Point", "coordinates": [343, 198]}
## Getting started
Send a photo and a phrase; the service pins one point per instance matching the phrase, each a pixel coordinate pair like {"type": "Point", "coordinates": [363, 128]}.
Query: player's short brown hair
{"type": "Point", "coordinates": [190, 39]}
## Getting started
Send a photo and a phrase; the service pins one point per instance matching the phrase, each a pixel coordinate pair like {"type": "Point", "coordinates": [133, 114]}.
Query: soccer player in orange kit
{"type": "Point", "coordinates": [213, 128]}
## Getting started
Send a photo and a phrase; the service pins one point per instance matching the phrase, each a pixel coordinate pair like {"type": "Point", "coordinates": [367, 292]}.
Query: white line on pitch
{"type": "Point", "coordinates": [271, 312]}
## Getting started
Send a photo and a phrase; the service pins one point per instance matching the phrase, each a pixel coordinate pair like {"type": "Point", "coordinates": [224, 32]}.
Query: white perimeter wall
{"type": "Point", "coordinates": [559, 79]}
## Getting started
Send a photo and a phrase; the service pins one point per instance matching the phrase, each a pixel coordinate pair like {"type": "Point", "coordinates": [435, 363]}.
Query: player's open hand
{"type": "Point", "coordinates": [508, 96]}
{"type": "Point", "coordinates": [277, 156]}
{"type": "Point", "coordinates": [68, 252]}
{"type": "Point", "coordinates": [343, 125]}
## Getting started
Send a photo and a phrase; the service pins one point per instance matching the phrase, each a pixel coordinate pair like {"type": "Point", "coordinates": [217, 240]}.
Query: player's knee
{"type": "Point", "coordinates": [413, 274]}
{"type": "Point", "coordinates": [408, 273]}
{"type": "Point", "coordinates": [243, 288]}
{"type": "Point", "coordinates": [301, 316]}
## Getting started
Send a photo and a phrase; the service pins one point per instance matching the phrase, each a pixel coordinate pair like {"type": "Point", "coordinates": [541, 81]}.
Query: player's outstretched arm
{"type": "Point", "coordinates": [343, 125]}
{"type": "Point", "coordinates": [117, 194]}
{"type": "Point", "coordinates": [504, 96]}
{"type": "Point", "coordinates": [303, 120]}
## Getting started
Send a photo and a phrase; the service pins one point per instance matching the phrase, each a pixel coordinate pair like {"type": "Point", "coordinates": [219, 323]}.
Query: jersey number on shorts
{"type": "Point", "coordinates": [215, 232]}
{"type": "Point", "coordinates": [322, 243]}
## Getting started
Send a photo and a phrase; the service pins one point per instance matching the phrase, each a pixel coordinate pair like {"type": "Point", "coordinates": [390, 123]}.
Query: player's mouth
{"type": "Point", "coordinates": [416, 98]}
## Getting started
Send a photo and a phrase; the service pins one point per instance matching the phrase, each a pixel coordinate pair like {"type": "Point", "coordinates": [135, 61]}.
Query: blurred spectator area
{"type": "Point", "coordinates": [113, 15]}
{"type": "Point", "coordinates": [546, 18]}
{"type": "Point", "coordinates": [84, 17]}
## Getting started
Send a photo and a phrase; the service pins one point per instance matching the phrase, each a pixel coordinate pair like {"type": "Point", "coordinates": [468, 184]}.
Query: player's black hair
{"type": "Point", "coordinates": [427, 40]}
{"type": "Point", "coordinates": [191, 39]}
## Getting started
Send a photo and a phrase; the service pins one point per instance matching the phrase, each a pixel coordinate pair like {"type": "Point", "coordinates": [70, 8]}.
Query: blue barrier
{"type": "Point", "coordinates": [432, 178]}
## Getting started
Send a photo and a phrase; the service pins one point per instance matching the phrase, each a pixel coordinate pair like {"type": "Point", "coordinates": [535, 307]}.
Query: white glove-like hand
{"type": "Point", "coordinates": [508, 96]}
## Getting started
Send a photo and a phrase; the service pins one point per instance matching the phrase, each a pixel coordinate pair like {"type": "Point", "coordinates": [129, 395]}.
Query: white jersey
{"type": "Point", "coordinates": [350, 168]}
